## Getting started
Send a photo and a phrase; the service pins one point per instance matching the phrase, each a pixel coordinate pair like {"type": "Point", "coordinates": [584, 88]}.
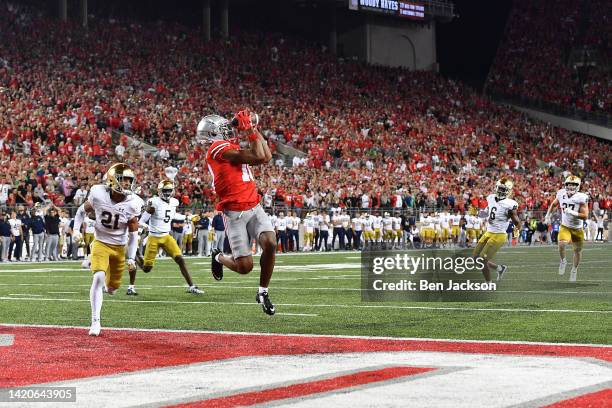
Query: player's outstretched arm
{"type": "Point", "coordinates": [132, 245]}
{"type": "Point", "coordinates": [79, 217]}
{"type": "Point", "coordinates": [551, 207]}
{"type": "Point", "coordinates": [257, 153]}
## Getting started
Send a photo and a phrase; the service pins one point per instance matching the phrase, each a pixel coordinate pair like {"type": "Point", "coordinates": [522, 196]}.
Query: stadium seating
{"type": "Point", "coordinates": [367, 130]}
{"type": "Point", "coordinates": [556, 51]}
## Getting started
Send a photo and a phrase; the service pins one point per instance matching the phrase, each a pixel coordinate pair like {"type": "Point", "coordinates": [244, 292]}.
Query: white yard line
{"type": "Point", "coordinates": [339, 336]}
{"type": "Point", "coordinates": [342, 306]}
{"type": "Point", "coordinates": [308, 288]}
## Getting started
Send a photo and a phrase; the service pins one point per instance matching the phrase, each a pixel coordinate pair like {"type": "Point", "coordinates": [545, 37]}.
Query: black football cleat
{"type": "Point", "coordinates": [501, 269]}
{"type": "Point", "coordinates": [131, 292]}
{"type": "Point", "coordinates": [216, 267]}
{"type": "Point", "coordinates": [267, 306]}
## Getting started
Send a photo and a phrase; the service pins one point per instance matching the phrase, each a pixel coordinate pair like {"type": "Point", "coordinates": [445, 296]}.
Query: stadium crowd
{"type": "Point", "coordinates": [558, 52]}
{"type": "Point", "coordinates": [373, 137]}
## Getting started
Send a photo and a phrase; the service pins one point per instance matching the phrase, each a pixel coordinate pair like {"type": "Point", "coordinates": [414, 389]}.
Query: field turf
{"type": "Point", "coordinates": [320, 294]}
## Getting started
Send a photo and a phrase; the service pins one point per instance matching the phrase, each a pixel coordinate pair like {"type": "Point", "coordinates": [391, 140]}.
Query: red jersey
{"type": "Point", "coordinates": [233, 183]}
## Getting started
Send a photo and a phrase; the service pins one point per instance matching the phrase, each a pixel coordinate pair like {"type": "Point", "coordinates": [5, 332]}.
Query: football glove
{"type": "Point", "coordinates": [547, 219]}
{"type": "Point", "coordinates": [77, 236]}
{"type": "Point", "coordinates": [131, 265]}
{"type": "Point", "coordinates": [243, 119]}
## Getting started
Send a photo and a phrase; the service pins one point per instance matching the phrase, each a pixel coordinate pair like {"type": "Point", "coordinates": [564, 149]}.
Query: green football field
{"type": "Point", "coordinates": [320, 294]}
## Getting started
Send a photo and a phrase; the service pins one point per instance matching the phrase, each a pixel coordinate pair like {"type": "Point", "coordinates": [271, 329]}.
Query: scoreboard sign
{"type": "Point", "coordinates": [403, 9]}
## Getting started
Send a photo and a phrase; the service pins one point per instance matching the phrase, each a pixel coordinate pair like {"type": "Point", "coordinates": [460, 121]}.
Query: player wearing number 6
{"type": "Point", "coordinates": [574, 211]}
{"type": "Point", "coordinates": [159, 212]}
{"type": "Point", "coordinates": [116, 208]}
{"type": "Point", "coordinates": [238, 199]}
{"type": "Point", "coordinates": [502, 210]}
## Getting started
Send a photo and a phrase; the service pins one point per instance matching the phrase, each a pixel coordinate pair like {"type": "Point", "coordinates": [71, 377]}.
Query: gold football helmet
{"type": "Point", "coordinates": [572, 184]}
{"type": "Point", "coordinates": [165, 189]}
{"type": "Point", "coordinates": [121, 179]}
{"type": "Point", "coordinates": [503, 188]}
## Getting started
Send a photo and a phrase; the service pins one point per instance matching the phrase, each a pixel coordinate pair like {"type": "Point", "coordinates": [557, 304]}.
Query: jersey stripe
{"type": "Point", "coordinates": [217, 149]}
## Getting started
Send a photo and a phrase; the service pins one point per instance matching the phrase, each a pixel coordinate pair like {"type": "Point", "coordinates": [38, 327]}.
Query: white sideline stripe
{"type": "Point", "coordinates": [23, 294]}
{"type": "Point", "coordinates": [303, 268]}
{"type": "Point", "coordinates": [62, 293]}
{"type": "Point", "coordinates": [337, 336]}
{"type": "Point", "coordinates": [298, 314]}
{"type": "Point", "coordinates": [219, 286]}
{"type": "Point", "coordinates": [525, 249]}
{"type": "Point", "coordinates": [357, 306]}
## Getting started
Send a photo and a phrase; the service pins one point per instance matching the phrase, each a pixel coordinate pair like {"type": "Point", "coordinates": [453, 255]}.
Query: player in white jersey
{"type": "Point", "coordinates": [502, 210]}
{"type": "Point", "coordinates": [574, 211]}
{"type": "Point", "coordinates": [157, 218]}
{"type": "Point", "coordinates": [368, 230]}
{"type": "Point", "coordinates": [357, 227]}
{"type": "Point", "coordinates": [89, 227]}
{"type": "Point", "coordinates": [455, 221]}
{"type": "Point", "coordinates": [445, 227]}
{"type": "Point", "coordinates": [387, 228]}
{"type": "Point", "coordinates": [396, 224]}
{"type": "Point", "coordinates": [478, 226]}
{"type": "Point", "coordinates": [309, 225]}
{"type": "Point", "coordinates": [116, 208]}
{"type": "Point", "coordinates": [376, 227]}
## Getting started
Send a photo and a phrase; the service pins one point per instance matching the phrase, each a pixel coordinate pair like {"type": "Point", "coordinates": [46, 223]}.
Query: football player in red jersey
{"type": "Point", "coordinates": [243, 216]}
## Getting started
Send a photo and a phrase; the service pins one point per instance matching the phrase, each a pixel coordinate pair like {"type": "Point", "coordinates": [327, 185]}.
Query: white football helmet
{"type": "Point", "coordinates": [165, 189]}
{"type": "Point", "coordinates": [572, 184]}
{"type": "Point", "coordinates": [503, 188]}
{"type": "Point", "coordinates": [212, 128]}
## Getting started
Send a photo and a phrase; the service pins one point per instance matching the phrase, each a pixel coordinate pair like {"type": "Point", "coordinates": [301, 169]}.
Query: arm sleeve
{"type": "Point", "coordinates": [132, 245]}
{"type": "Point", "coordinates": [144, 219]}
{"type": "Point", "coordinates": [78, 218]}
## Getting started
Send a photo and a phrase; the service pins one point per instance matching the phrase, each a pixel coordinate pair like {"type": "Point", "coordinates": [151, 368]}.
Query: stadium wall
{"type": "Point", "coordinates": [570, 124]}
{"type": "Point", "coordinates": [389, 42]}
{"type": "Point", "coordinates": [407, 45]}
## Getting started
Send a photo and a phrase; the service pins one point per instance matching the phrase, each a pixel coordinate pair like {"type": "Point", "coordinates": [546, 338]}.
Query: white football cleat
{"type": "Point", "coordinates": [95, 328]}
{"type": "Point", "coordinates": [573, 275]}
{"type": "Point", "coordinates": [562, 266]}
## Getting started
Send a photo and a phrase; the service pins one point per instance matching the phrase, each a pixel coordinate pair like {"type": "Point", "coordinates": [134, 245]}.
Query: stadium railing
{"type": "Point", "coordinates": [596, 118]}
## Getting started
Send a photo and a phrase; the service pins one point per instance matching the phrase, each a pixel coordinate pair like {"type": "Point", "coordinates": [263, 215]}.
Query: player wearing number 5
{"type": "Point", "coordinates": [116, 209]}
{"type": "Point", "coordinates": [233, 182]}
{"type": "Point", "coordinates": [574, 211]}
{"type": "Point", "coordinates": [502, 210]}
{"type": "Point", "coordinates": [158, 215]}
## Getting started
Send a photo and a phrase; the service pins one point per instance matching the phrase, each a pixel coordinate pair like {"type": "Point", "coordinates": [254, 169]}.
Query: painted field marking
{"type": "Point", "coordinates": [230, 285]}
{"type": "Point", "coordinates": [225, 369]}
{"type": "Point", "coordinates": [356, 306]}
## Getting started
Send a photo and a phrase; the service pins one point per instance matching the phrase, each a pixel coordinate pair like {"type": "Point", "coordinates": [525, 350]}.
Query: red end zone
{"type": "Point", "coordinates": [51, 354]}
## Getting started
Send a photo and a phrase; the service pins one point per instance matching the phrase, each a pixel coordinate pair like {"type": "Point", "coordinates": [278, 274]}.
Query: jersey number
{"type": "Point", "coordinates": [492, 215]}
{"type": "Point", "coordinates": [167, 218]}
{"type": "Point", "coordinates": [246, 173]}
{"type": "Point", "coordinates": [565, 205]}
{"type": "Point", "coordinates": [107, 219]}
